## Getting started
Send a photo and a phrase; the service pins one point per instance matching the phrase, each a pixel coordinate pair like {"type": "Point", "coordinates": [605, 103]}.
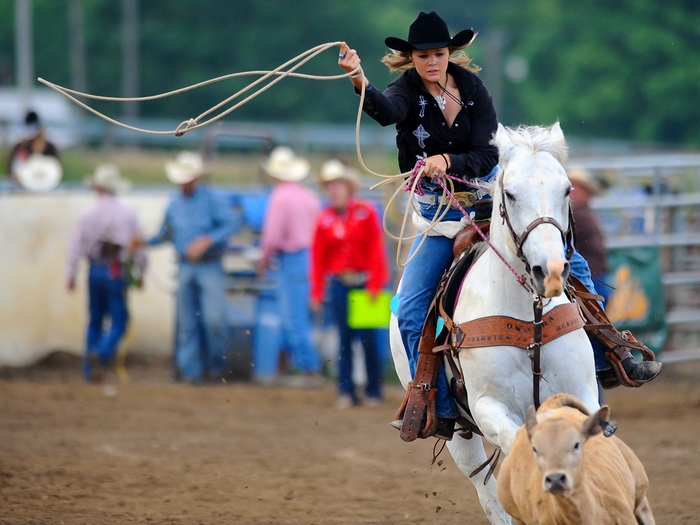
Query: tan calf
{"type": "Point", "coordinates": [562, 470]}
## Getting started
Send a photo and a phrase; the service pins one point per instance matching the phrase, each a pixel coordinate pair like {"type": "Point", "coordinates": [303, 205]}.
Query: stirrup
{"type": "Point", "coordinates": [417, 412]}
{"type": "Point", "coordinates": [617, 344]}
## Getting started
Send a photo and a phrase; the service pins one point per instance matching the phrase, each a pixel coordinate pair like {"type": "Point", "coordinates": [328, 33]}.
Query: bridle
{"type": "Point", "coordinates": [567, 236]}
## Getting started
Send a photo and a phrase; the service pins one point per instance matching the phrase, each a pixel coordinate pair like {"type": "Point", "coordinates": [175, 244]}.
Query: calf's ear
{"type": "Point", "coordinates": [531, 421]}
{"type": "Point", "coordinates": [593, 424]}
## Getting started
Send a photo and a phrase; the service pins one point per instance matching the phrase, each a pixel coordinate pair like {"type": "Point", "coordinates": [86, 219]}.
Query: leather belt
{"type": "Point", "coordinates": [466, 199]}
{"type": "Point", "coordinates": [352, 279]}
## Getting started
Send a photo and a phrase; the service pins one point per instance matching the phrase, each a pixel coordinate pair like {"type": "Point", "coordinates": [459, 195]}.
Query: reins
{"type": "Point", "coordinates": [483, 236]}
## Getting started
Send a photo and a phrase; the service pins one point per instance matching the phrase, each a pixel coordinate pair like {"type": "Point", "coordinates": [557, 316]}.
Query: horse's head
{"type": "Point", "coordinates": [531, 196]}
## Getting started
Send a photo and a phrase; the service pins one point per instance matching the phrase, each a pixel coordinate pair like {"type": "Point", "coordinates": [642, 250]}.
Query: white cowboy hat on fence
{"type": "Point", "coordinates": [333, 169]}
{"type": "Point", "coordinates": [39, 172]}
{"type": "Point", "coordinates": [187, 167]}
{"type": "Point", "coordinates": [284, 165]}
{"type": "Point", "coordinates": [108, 178]}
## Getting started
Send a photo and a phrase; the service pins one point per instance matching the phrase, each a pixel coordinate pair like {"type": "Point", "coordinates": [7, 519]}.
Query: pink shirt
{"type": "Point", "coordinates": [290, 220]}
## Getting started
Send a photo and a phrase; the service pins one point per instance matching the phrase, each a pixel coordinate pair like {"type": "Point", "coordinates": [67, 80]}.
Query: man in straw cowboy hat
{"type": "Point", "coordinates": [589, 235]}
{"type": "Point", "coordinates": [348, 254]}
{"type": "Point", "coordinates": [286, 237]}
{"type": "Point", "coordinates": [104, 234]}
{"type": "Point", "coordinates": [198, 222]}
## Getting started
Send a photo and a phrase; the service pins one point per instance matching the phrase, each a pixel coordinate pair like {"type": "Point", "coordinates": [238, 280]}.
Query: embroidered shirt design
{"type": "Point", "coordinates": [421, 135]}
{"type": "Point", "coordinates": [422, 103]}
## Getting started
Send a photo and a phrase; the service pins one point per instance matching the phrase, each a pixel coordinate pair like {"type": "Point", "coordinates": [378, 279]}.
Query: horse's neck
{"type": "Point", "coordinates": [503, 250]}
{"type": "Point", "coordinates": [491, 287]}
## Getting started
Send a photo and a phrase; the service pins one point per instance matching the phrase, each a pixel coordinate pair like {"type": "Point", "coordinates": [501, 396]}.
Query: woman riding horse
{"type": "Point", "coordinates": [444, 118]}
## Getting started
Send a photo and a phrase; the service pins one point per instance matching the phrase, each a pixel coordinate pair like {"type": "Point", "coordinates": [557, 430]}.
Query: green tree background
{"type": "Point", "coordinates": [627, 69]}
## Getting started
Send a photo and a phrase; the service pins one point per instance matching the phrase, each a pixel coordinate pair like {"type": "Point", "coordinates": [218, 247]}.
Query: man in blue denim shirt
{"type": "Point", "coordinates": [198, 222]}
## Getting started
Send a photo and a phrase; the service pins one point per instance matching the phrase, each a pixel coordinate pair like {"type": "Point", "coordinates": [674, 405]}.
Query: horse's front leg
{"type": "Point", "coordinates": [469, 455]}
{"type": "Point", "coordinates": [497, 421]}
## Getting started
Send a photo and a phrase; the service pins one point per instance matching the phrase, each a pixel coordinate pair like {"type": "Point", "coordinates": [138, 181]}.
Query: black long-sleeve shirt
{"type": "Point", "coordinates": [421, 128]}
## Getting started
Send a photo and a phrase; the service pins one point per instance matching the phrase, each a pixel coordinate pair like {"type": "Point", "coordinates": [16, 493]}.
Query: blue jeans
{"type": "Point", "coordinates": [338, 294]}
{"type": "Point", "coordinates": [418, 286]}
{"type": "Point", "coordinates": [201, 341]}
{"type": "Point", "coordinates": [107, 298]}
{"type": "Point", "coordinates": [295, 314]}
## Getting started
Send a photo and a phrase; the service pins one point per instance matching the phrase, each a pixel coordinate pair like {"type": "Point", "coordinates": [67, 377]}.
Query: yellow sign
{"type": "Point", "coordinates": [629, 302]}
{"type": "Point", "coordinates": [364, 311]}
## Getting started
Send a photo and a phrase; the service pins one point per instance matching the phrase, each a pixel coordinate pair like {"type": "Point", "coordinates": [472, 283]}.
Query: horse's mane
{"type": "Point", "coordinates": [534, 139]}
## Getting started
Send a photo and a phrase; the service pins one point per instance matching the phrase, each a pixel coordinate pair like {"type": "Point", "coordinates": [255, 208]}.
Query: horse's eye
{"type": "Point", "coordinates": [577, 445]}
{"type": "Point", "coordinates": [510, 196]}
{"type": "Point", "coordinates": [568, 191]}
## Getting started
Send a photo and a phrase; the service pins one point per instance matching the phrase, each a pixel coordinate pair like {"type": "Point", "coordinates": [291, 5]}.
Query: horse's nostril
{"type": "Point", "coordinates": [565, 273]}
{"type": "Point", "coordinates": [538, 273]}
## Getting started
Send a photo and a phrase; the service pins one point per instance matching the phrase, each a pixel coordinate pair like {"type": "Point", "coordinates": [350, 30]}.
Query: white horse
{"type": "Point", "coordinates": [531, 184]}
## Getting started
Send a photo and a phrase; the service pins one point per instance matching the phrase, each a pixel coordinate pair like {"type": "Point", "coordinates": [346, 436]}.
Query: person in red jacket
{"type": "Point", "coordinates": [348, 253]}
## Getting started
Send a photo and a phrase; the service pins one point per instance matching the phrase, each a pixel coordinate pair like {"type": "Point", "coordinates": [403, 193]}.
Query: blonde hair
{"type": "Point", "coordinates": [401, 60]}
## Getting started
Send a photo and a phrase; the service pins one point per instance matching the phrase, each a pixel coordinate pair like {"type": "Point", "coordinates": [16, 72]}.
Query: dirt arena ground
{"type": "Point", "coordinates": [158, 452]}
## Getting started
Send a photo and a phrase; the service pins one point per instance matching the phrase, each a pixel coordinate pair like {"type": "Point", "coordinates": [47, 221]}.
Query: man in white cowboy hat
{"type": "Point", "coordinates": [198, 221]}
{"type": "Point", "coordinates": [34, 161]}
{"type": "Point", "coordinates": [286, 236]}
{"type": "Point", "coordinates": [104, 235]}
{"type": "Point", "coordinates": [348, 254]}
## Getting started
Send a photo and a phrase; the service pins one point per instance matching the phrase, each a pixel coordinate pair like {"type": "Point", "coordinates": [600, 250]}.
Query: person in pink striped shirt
{"type": "Point", "coordinates": [287, 233]}
{"type": "Point", "coordinates": [105, 236]}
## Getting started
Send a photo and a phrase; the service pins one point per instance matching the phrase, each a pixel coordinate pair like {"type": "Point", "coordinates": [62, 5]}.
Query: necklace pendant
{"type": "Point", "coordinates": [440, 102]}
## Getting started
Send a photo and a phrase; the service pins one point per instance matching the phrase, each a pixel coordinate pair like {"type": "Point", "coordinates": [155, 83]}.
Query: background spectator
{"type": "Point", "coordinates": [348, 254]}
{"type": "Point", "coordinates": [286, 237]}
{"type": "Point", "coordinates": [33, 161]}
{"type": "Point", "coordinates": [198, 222]}
{"type": "Point", "coordinates": [105, 234]}
{"type": "Point", "coordinates": [589, 236]}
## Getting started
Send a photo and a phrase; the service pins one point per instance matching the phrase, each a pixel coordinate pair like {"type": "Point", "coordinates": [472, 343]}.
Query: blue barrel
{"type": "Point", "coordinates": [267, 337]}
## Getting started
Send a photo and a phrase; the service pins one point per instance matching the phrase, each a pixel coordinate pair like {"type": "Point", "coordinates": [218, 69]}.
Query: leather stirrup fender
{"type": "Point", "coordinates": [419, 407]}
{"type": "Point", "coordinates": [419, 413]}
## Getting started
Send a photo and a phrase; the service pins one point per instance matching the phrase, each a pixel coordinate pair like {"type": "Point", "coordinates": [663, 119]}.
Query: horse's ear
{"type": "Point", "coordinates": [502, 141]}
{"type": "Point", "coordinates": [559, 147]}
{"type": "Point", "coordinates": [556, 133]}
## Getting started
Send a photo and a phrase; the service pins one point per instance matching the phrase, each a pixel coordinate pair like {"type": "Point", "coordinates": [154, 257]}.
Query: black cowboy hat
{"type": "Point", "coordinates": [429, 31]}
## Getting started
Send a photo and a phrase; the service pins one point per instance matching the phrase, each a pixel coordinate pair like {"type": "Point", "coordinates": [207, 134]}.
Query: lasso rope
{"type": "Point", "coordinates": [280, 73]}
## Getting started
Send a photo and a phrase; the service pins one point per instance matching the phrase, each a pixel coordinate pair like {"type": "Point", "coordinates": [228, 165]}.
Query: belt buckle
{"type": "Point", "coordinates": [466, 199]}
{"type": "Point", "coordinates": [352, 279]}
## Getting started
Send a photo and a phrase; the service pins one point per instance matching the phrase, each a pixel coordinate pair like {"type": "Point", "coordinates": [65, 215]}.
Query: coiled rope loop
{"type": "Point", "coordinates": [288, 69]}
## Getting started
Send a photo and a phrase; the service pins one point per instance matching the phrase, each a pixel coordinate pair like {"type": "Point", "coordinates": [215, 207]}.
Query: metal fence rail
{"type": "Point", "coordinates": [653, 201]}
